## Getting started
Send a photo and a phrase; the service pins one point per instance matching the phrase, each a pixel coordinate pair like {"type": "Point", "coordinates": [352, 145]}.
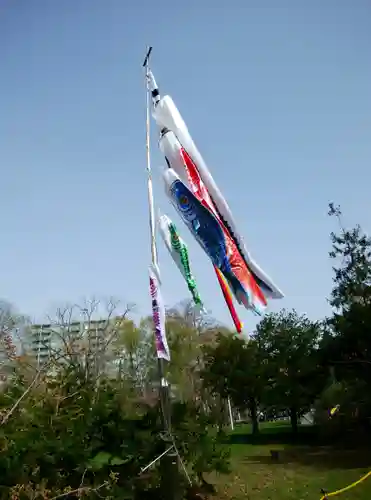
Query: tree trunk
{"type": "Point", "coordinates": [294, 420]}
{"type": "Point", "coordinates": [131, 362]}
{"type": "Point", "coordinates": [253, 408]}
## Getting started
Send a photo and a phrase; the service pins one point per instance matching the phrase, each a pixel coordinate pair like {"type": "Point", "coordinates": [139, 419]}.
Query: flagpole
{"type": "Point", "coordinates": [169, 461]}
{"type": "Point", "coordinates": [151, 204]}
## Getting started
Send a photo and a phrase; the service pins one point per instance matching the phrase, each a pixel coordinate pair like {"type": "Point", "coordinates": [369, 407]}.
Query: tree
{"type": "Point", "coordinates": [83, 334]}
{"type": "Point", "coordinates": [187, 332]}
{"type": "Point", "coordinates": [189, 313]}
{"type": "Point", "coordinates": [233, 369]}
{"type": "Point", "coordinates": [11, 326]}
{"type": "Point", "coordinates": [288, 346]}
{"type": "Point", "coordinates": [92, 430]}
{"type": "Point", "coordinates": [351, 248]}
{"type": "Point", "coordinates": [347, 345]}
{"type": "Point", "coordinates": [133, 353]}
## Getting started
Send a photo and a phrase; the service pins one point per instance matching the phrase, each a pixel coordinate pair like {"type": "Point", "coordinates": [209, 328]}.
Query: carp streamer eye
{"type": "Point", "coordinates": [184, 201]}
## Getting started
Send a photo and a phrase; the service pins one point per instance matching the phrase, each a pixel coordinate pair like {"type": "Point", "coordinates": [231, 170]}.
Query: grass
{"type": "Point", "coordinates": [300, 472]}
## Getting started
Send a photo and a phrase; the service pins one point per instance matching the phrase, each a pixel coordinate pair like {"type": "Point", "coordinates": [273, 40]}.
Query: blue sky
{"type": "Point", "coordinates": [275, 93]}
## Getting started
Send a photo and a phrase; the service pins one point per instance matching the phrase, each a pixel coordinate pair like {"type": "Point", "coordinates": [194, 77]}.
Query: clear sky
{"type": "Point", "coordinates": [276, 93]}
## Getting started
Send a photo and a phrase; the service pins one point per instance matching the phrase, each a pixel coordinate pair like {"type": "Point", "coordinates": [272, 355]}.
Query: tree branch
{"type": "Point", "coordinates": [80, 490]}
{"type": "Point", "coordinates": [14, 407]}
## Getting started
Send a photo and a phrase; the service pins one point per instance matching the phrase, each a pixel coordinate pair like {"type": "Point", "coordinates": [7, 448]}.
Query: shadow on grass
{"type": "Point", "coordinates": [321, 457]}
{"type": "Point", "coordinates": [310, 447]}
{"type": "Point", "coordinates": [279, 434]}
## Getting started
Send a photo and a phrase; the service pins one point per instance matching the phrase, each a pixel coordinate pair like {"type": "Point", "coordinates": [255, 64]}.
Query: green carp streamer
{"type": "Point", "coordinates": [181, 249]}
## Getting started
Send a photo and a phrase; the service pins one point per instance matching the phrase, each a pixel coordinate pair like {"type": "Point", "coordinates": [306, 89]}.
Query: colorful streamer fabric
{"type": "Point", "coordinates": [158, 314]}
{"type": "Point", "coordinates": [179, 252]}
{"type": "Point", "coordinates": [228, 300]}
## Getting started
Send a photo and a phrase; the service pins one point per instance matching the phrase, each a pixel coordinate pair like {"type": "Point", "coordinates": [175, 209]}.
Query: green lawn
{"type": "Point", "coordinates": [300, 472]}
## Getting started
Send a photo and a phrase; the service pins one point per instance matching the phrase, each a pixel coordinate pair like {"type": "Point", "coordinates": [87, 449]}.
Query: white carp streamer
{"type": "Point", "coordinates": [175, 139]}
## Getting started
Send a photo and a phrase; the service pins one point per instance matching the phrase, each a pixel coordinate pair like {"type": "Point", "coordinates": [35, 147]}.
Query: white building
{"type": "Point", "coordinates": [47, 339]}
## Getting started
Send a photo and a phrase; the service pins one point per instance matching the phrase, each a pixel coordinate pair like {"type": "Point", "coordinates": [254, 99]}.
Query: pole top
{"type": "Point", "coordinates": [145, 63]}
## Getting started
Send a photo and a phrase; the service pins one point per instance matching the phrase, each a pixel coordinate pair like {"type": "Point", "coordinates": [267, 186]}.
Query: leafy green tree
{"type": "Point", "coordinates": [351, 251]}
{"type": "Point", "coordinates": [233, 369]}
{"type": "Point", "coordinates": [187, 332]}
{"type": "Point", "coordinates": [80, 433]}
{"type": "Point", "coordinates": [65, 430]}
{"type": "Point", "coordinates": [185, 346]}
{"type": "Point", "coordinates": [133, 353]}
{"type": "Point", "coordinates": [288, 346]}
{"type": "Point", "coordinates": [347, 345]}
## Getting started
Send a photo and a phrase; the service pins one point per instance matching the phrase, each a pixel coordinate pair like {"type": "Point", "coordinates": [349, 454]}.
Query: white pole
{"type": "Point", "coordinates": [149, 173]}
{"type": "Point", "coordinates": [230, 413]}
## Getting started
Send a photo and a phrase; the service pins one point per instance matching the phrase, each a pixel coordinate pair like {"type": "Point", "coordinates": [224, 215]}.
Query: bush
{"type": "Point", "coordinates": [73, 435]}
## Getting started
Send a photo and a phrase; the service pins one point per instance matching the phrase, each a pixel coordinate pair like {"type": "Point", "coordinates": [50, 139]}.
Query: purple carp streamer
{"type": "Point", "coordinates": [158, 314]}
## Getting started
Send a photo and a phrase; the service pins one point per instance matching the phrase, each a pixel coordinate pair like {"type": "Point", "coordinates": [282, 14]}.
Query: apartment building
{"type": "Point", "coordinates": [42, 341]}
{"type": "Point", "coordinates": [47, 339]}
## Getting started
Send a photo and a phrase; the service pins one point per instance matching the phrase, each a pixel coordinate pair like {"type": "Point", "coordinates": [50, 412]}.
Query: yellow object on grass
{"type": "Point", "coordinates": [334, 410]}
{"type": "Point", "coordinates": [346, 488]}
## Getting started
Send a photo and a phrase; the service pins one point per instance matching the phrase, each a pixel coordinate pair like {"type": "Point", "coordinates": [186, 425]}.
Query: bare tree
{"type": "Point", "coordinates": [78, 339]}
{"type": "Point", "coordinates": [82, 334]}
{"type": "Point", "coordinates": [11, 324]}
{"type": "Point", "coordinates": [188, 312]}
